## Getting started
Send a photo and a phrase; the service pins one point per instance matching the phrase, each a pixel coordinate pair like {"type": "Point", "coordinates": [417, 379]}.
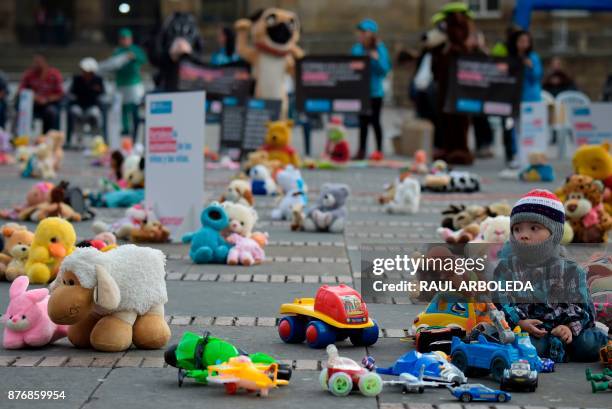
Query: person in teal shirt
{"type": "Point", "coordinates": [380, 65]}
{"type": "Point", "coordinates": [226, 38]}
{"type": "Point", "coordinates": [128, 77]}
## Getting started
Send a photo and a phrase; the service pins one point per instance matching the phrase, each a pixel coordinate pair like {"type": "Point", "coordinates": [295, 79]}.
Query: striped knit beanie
{"type": "Point", "coordinates": [540, 206]}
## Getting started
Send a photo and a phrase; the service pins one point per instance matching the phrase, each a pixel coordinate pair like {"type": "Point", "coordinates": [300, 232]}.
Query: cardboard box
{"type": "Point", "coordinates": [415, 134]}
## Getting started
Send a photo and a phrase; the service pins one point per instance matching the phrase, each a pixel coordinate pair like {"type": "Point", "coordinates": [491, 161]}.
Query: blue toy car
{"type": "Point", "coordinates": [477, 391]}
{"type": "Point", "coordinates": [430, 366]}
{"type": "Point", "coordinates": [481, 357]}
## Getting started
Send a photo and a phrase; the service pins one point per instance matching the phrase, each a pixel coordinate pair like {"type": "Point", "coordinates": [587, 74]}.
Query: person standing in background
{"type": "Point", "coordinates": [226, 54]}
{"type": "Point", "coordinates": [380, 65]}
{"type": "Point", "coordinates": [47, 84]}
{"type": "Point", "coordinates": [520, 46]}
{"type": "Point", "coordinates": [129, 81]}
{"type": "Point", "coordinates": [557, 79]}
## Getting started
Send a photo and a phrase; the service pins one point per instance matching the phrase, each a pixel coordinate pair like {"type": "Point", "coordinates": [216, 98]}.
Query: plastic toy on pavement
{"type": "Point", "coordinates": [519, 377]}
{"type": "Point", "coordinates": [600, 382]}
{"type": "Point", "coordinates": [605, 354]}
{"type": "Point", "coordinates": [412, 384]}
{"type": "Point", "coordinates": [486, 356]}
{"type": "Point", "coordinates": [241, 372]}
{"type": "Point", "coordinates": [432, 366]}
{"type": "Point", "coordinates": [436, 338]}
{"type": "Point", "coordinates": [478, 392]}
{"type": "Point", "coordinates": [343, 375]}
{"type": "Point", "coordinates": [336, 313]}
{"type": "Point", "coordinates": [194, 353]}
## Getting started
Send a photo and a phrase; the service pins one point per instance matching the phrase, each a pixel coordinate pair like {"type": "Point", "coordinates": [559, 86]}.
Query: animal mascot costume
{"type": "Point", "coordinates": [178, 39]}
{"type": "Point", "coordinates": [453, 148]}
{"type": "Point", "coordinates": [274, 36]}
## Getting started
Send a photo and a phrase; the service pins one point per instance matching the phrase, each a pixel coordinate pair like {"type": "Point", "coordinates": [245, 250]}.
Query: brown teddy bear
{"type": "Point", "coordinates": [17, 242]}
{"type": "Point", "coordinates": [150, 232]}
{"type": "Point", "coordinates": [274, 36]}
{"type": "Point", "coordinates": [584, 209]}
{"type": "Point", "coordinates": [56, 207]}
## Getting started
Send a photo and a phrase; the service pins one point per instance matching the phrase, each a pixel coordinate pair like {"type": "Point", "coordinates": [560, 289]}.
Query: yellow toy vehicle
{"type": "Point", "coordinates": [241, 372]}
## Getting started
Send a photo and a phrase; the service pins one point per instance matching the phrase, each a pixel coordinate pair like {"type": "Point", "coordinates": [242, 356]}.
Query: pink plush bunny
{"type": "Point", "coordinates": [246, 251]}
{"type": "Point", "coordinates": [26, 321]}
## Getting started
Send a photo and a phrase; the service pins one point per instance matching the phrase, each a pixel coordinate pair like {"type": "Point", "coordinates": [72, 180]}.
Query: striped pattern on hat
{"type": "Point", "coordinates": [542, 202]}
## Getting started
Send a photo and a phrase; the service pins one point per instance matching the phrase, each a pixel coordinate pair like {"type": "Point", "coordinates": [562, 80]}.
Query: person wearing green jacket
{"type": "Point", "coordinates": [129, 80]}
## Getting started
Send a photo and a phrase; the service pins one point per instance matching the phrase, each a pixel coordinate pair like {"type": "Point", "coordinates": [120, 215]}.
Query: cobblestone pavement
{"type": "Point", "coordinates": [241, 303]}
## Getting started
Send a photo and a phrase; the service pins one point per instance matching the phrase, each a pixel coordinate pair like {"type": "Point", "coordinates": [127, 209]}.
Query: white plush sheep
{"type": "Point", "coordinates": [126, 287]}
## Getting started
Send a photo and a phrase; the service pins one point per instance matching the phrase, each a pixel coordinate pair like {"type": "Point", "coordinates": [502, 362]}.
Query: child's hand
{"type": "Point", "coordinates": [530, 326]}
{"type": "Point", "coordinates": [563, 332]}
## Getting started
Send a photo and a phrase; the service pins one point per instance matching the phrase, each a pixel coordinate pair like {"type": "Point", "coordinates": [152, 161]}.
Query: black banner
{"type": "Point", "coordinates": [481, 85]}
{"type": "Point", "coordinates": [333, 84]}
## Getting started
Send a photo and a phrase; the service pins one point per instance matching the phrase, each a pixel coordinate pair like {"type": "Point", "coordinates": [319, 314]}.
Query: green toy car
{"type": "Point", "coordinates": [194, 353]}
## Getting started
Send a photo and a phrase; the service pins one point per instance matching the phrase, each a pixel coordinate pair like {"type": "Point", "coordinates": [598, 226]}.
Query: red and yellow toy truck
{"type": "Point", "coordinates": [336, 313]}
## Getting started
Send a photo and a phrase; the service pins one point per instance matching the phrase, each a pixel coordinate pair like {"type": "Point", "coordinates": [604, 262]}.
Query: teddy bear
{"type": "Point", "coordinates": [26, 321]}
{"type": "Point", "coordinates": [278, 143]}
{"type": "Point", "coordinates": [329, 213]}
{"type": "Point", "coordinates": [261, 181]}
{"type": "Point", "coordinates": [17, 242]}
{"type": "Point", "coordinates": [54, 239]}
{"type": "Point", "coordinates": [246, 250]}
{"type": "Point", "coordinates": [274, 35]}
{"type": "Point", "coordinates": [56, 140]}
{"type": "Point", "coordinates": [596, 161]}
{"type": "Point", "coordinates": [208, 244]}
{"type": "Point", "coordinates": [238, 191]}
{"type": "Point", "coordinates": [293, 188]}
{"type": "Point", "coordinates": [406, 199]}
{"type": "Point", "coordinates": [539, 170]}
{"type": "Point", "coordinates": [56, 206]}
{"type": "Point", "coordinates": [150, 231]}
{"type": "Point", "coordinates": [9, 240]}
{"type": "Point", "coordinates": [122, 228]}
{"type": "Point", "coordinates": [337, 148]}
{"type": "Point", "coordinates": [42, 162]}
{"type": "Point", "coordinates": [584, 209]}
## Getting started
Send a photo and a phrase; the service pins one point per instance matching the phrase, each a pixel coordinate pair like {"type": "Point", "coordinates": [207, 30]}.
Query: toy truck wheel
{"type": "Point", "coordinates": [319, 335]}
{"type": "Point", "coordinates": [365, 337]}
{"type": "Point", "coordinates": [497, 368]}
{"type": "Point", "coordinates": [370, 384]}
{"type": "Point", "coordinates": [340, 384]}
{"type": "Point", "coordinates": [466, 397]}
{"type": "Point", "coordinates": [323, 378]}
{"type": "Point", "coordinates": [231, 388]}
{"type": "Point", "coordinates": [292, 330]}
{"type": "Point", "coordinates": [460, 360]}
{"type": "Point", "coordinates": [501, 397]}
{"type": "Point", "coordinates": [284, 372]}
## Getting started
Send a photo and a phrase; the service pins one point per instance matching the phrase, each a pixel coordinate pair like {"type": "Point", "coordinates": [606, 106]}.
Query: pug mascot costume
{"type": "Point", "coordinates": [274, 35]}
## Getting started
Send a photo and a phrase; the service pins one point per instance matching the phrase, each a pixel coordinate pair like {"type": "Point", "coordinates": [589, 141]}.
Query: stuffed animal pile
{"type": "Point", "coordinates": [596, 161]}
{"type": "Point", "coordinates": [584, 209]}
{"type": "Point", "coordinates": [463, 224]}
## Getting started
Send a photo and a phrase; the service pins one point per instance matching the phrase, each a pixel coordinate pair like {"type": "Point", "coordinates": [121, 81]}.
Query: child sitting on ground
{"type": "Point", "coordinates": [560, 317]}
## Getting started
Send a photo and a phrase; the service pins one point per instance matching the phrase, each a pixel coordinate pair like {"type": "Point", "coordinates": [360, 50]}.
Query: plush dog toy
{"type": "Point", "coordinates": [17, 242]}
{"type": "Point", "coordinates": [54, 239]}
{"type": "Point", "coordinates": [330, 213]}
{"type": "Point", "coordinates": [406, 199]}
{"type": "Point", "coordinates": [278, 143]}
{"type": "Point", "coordinates": [238, 191]}
{"type": "Point", "coordinates": [207, 244]}
{"type": "Point", "coordinates": [113, 299]}
{"type": "Point", "coordinates": [293, 188]}
{"type": "Point", "coordinates": [584, 209]}
{"type": "Point", "coordinates": [274, 35]}
{"type": "Point", "coordinates": [26, 322]}
{"type": "Point", "coordinates": [151, 231]}
{"type": "Point", "coordinates": [261, 181]}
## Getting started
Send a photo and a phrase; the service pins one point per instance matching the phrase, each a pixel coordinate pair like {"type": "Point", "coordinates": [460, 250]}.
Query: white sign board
{"type": "Point", "coordinates": [113, 123]}
{"type": "Point", "coordinates": [174, 164]}
{"type": "Point", "coordinates": [25, 112]}
{"type": "Point", "coordinates": [534, 132]}
{"type": "Point", "coordinates": [591, 124]}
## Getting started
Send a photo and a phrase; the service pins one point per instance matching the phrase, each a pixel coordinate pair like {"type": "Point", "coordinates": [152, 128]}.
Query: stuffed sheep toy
{"type": "Point", "coordinates": [406, 199]}
{"type": "Point", "coordinates": [112, 299]}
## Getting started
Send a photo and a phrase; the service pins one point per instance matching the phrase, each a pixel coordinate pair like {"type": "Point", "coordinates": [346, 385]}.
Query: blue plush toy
{"type": "Point", "coordinates": [538, 170]}
{"type": "Point", "coordinates": [207, 244]}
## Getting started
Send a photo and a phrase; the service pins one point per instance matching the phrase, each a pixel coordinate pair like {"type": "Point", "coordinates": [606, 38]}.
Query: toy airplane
{"type": "Point", "coordinates": [241, 372]}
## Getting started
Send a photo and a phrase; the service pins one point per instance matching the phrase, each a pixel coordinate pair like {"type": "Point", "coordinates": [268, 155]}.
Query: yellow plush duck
{"type": "Point", "coordinates": [54, 239]}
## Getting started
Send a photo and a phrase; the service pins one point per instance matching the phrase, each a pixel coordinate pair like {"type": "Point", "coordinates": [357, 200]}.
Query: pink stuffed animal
{"type": "Point", "coordinates": [246, 251]}
{"type": "Point", "coordinates": [26, 321]}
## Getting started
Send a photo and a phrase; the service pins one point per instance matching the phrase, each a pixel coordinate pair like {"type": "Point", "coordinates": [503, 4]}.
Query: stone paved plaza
{"type": "Point", "coordinates": [241, 305]}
